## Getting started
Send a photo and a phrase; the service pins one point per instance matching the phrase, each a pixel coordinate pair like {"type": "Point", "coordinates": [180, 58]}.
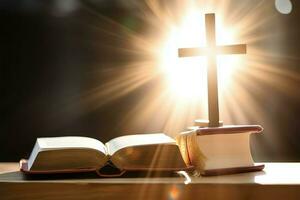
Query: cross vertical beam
{"type": "Point", "coordinates": [211, 51]}
{"type": "Point", "coordinates": [212, 73]}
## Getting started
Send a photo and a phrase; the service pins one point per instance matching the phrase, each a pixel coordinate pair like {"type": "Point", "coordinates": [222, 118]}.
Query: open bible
{"type": "Point", "coordinates": [81, 154]}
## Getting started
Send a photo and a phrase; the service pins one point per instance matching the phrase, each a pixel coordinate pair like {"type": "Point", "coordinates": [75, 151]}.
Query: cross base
{"type": "Point", "coordinates": [205, 123]}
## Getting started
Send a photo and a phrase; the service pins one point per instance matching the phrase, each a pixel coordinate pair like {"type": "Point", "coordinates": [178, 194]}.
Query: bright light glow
{"type": "Point", "coordinates": [174, 90]}
{"type": "Point", "coordinates": [186, 176]}
{"type": "Point", "coordinates": [274, 174]}
{"type": "Point", "coordinates": [284, 6]}
{"type": "Point", "coordinates": [187, 77]}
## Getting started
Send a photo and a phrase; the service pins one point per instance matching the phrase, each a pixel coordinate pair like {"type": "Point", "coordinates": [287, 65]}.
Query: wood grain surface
{"type": "Point", "coordinates": [277, 181]}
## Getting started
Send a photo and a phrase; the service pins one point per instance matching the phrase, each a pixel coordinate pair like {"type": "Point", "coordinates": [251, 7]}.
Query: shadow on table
{"type": "Point", "coordinates": [18, 176]}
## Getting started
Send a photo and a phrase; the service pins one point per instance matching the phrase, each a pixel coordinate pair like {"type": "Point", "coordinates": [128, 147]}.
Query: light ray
{"type": "Point", "coordinates": [180, 95]}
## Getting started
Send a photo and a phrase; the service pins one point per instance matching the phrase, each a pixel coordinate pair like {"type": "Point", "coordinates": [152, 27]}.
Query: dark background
{"type": "Point", "coordinates": [49, 51]}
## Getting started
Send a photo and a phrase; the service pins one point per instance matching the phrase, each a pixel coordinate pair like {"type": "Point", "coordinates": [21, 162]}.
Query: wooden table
{"type": "Point", "coordinates": [277, 181]}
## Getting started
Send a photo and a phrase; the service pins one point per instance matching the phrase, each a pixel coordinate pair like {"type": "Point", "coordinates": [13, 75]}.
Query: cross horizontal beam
{"type": "Point", "coordinates": [220, 50]}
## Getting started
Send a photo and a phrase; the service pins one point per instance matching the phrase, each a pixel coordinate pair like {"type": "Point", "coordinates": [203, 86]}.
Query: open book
{"type": "Point", "coordinates": [80, 154]}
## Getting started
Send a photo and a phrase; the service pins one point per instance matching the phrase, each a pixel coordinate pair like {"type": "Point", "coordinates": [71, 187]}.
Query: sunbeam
{"type": "Point", "coordinates": [179, 94]}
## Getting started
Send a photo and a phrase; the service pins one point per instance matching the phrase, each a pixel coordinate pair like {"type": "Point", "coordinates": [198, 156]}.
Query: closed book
{"type": "Point", "coordinates": [219, 150]}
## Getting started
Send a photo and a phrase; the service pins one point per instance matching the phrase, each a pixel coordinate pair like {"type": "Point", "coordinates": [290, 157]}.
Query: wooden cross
{"type": "Point", "coordinates": [211, 51]}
